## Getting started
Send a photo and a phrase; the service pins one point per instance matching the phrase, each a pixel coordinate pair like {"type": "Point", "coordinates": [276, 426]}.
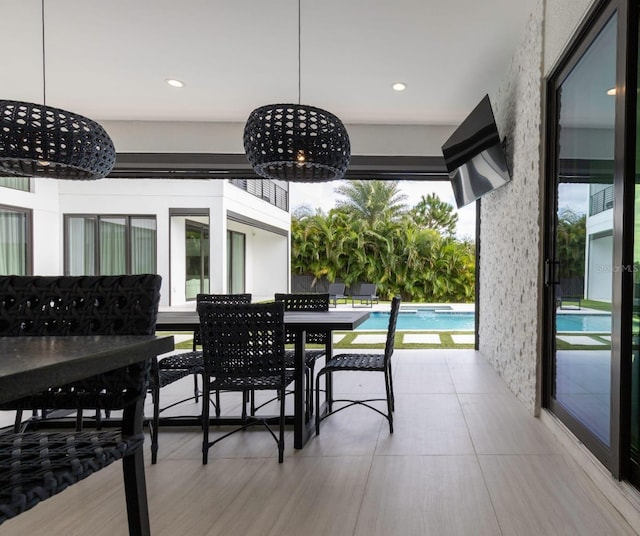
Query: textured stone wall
{"type": "Point", "coordinates": [510, 226]}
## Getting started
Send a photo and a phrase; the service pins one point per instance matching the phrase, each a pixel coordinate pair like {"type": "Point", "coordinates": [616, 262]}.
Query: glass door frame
{"type": "Point", "coordinates": [616, 457]}
{"type": "Point", "coordinates": [205, 247]}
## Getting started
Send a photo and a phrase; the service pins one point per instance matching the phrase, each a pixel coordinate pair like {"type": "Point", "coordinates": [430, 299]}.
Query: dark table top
{"type": "Point", "coordinates": [345, 320]}
{"type": "Point", "coordinates": [31, 364]}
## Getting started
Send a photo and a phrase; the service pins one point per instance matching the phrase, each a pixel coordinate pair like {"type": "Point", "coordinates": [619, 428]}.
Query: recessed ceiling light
{"type": "Point", "coordinates": [611, 91]}
{"type": "Point", "coordinates": [399, 86]}
{"type": "Point", "coordinates": [175, 83]}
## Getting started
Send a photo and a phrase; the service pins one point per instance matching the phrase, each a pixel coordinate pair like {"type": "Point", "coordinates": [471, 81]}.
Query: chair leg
{"type": "Point", "coordinates": [155, 398]}
{"type": "Point", "coordinates": [328, 383]}
{"type": "Point", "coordinates": [307, 394]}
{"type": "Point", "coordinates": [281, 439]}
{"type": "Point", "coordinates": [217, 403]}
{"type": "Point", "coordinates": [387, 380]}
{"type": "Point", "coordinates": [196, 392]}
{"type": "Point", "coordinates": [310, 389]}
{"type": "Point", "coordinates": [393, 398]}
{"type": "Point", "coordinates": [205, 419]}
{"type": "Point", "coordinates": [317, 393]}
{"type": "Point", "coordinates": [17, 423]}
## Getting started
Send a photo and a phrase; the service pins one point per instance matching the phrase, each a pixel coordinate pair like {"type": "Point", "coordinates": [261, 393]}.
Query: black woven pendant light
{"type": "Point", "coordinates": [294, 142]}
{"type": "Point", "coordinates": [40, 141]}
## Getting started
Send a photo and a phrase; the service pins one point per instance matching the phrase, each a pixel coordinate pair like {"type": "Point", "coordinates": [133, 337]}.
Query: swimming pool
{"type": "Point", "coordinates": [428, 319]}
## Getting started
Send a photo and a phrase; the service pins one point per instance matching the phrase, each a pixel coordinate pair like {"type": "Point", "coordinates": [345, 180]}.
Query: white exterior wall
{"type": "Point", "coordinates": [156, 197]}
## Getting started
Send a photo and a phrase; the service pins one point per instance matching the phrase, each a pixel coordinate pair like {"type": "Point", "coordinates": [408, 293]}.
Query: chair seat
{"type": "Point", "coordinates": [184, 360]}
{"type": "Point", "coordinates": [167, 377]}
{"type": "Point", "coordinates": [310, 357]}
{"type": "Point", "coordinates": [35, 466]}
{"type": "Point", "coordinates": [356, 362]}
{"type": "Point", "coordinates": [252, 382]}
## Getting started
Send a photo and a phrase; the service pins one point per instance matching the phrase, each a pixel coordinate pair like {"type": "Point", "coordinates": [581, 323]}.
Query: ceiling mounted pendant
{"type": "Point", "coordinates": [297, 143]}
{"type": "Point", "coordinates": [40, 141]}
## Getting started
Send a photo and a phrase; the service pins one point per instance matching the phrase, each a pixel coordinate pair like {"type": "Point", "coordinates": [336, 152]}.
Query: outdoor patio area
{"type": "Point", "coordinates": [465, 458]}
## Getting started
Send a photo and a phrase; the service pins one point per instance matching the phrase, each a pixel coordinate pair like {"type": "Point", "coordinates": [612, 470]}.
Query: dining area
{"type": "Point", "coordinates": [72, 344]}
{"type": "Point", "coordinates": [462, 454]}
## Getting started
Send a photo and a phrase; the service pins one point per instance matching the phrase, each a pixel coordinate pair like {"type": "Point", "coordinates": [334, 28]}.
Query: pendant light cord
{"type": "Point", "coordinates": [299, 55]}
{"type": "Point", "coordinates": [44, 74]}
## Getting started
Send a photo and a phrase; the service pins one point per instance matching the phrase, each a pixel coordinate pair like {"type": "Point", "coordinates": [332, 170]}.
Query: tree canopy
{"type": "Point", "coordinates": [371, 236]}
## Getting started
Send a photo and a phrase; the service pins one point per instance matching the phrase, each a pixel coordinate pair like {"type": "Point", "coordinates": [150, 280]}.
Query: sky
{"type": "Point", "coordinates": [322, 195]}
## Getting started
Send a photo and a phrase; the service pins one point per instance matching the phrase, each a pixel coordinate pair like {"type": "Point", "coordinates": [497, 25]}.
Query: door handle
{"type": "Point", "coordinates": [551, 269]}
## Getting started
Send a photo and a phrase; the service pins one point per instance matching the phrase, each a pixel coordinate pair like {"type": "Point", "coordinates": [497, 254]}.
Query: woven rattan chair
{"type": "Point", "coordinates": [306, 302]}
{"type": "Point", "coordinates": [243, 350]}
{"type": "Point", "coordinates": [38, 465]}
{"type": "Point", "coordinates": [74, 305]}
{"type": "Point", "coordinates": [369, 362]}
{"type": "Point", "coordinates": [176, 366]}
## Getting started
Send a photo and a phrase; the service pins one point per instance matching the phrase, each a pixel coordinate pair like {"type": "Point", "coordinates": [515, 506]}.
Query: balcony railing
{"type": "Point", "coordinates": [264, 189]}
{"type": "Point", "coordinates": [601, 201]}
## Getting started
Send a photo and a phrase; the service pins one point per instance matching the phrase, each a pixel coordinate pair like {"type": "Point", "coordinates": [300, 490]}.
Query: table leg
{"type": "Point", "coordinates": [134, 479]}
{"type": "Point", "coordinates": [301, 425]}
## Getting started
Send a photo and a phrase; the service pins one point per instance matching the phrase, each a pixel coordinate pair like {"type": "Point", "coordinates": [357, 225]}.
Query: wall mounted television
{"type": "Point", "coordinates": [474, 156]}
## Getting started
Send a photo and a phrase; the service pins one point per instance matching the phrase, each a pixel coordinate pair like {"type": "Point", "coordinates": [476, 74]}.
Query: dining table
{"type": "Point", "coordinates": [30, 365]}
{"type": "Point", "coordinates": [299, 322]}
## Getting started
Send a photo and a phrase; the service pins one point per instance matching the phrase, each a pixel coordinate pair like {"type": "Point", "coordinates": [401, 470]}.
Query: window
{"type": "Point", "coordinates": [15, 241]}
{"type": "Point", "coordinates": [110, 245]}
{"type": "Point", "coordinates": [236, 261]}
{"type": "Point", "coordinates": [16, 183]}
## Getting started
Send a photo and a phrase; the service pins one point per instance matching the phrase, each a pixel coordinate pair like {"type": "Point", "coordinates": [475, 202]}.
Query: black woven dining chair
{"type": "Point", "coordinates": [363, 362]}
{"type": "Point", "coordinates": [37, 465]}
{"type": "Point", "coordinates": [74, 305]}
{"type": "Point", "coordinates": [306, 302]}
{"type": "Point", "coordinates": [177, 366]}
{"type": "Point", "coordinates": [243, 350]}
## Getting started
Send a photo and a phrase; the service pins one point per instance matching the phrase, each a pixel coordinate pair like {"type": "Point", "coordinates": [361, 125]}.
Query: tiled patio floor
{"type": "Point", "coordinates": [465, 459]}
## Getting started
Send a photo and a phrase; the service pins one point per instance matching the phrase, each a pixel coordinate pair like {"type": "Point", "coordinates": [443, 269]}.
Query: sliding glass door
{"type": "Point", "coordinates": [197, 259]}
{"type": "Point", "coordinates": [581, 266]}
{"type": "Point", "coordinates": [236, 265]}
{"type": "Point", "coordinates": [592, 232]}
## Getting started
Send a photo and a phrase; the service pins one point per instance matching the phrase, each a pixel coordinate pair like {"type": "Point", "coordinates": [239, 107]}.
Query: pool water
{"type": "Point", "coordinates": [461, 321]}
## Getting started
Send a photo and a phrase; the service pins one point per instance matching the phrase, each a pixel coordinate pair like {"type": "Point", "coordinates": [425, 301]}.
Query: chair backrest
{"type": "Point", "coordinates": [305, 302]}
{"type": "Point", "coordinates": [223, 298]}
{"type": "Point", "coordinates": [391, 330]}
{"type": "Point", "coordinates": [242, 340]}
{"type": "Point", "coordinates": [79, 305]}
{"type": "Point", "coordinates": [217, 298]}
{"type": "Point", "coordinates": [336, 289]}
{"type": "Point", "coordinates": [82, 305]}
{"type": "Point", "coordinates": [367, 289]}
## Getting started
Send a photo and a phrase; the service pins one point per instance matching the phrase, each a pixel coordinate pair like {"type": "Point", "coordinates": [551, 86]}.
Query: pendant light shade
{"type": "Point", "coordinates": [41, 141]}
{"type": "Point", "coordinates": [37, 140]}
{"type": "Point", "coordinates": [293, 142]}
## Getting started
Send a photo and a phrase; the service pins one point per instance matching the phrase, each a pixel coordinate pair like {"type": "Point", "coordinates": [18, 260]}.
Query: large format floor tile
{"type": "Point", "coordinates": [426, 496]}
{"type": "Point", "coordinates": [465, 458]}
{"type": "Point", "coordinates": [550, 495]}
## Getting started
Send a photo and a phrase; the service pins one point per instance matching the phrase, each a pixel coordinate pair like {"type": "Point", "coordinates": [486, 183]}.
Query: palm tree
{"type": "Point", "coordinates": [372, 200]}
{"type": "Point", "coordinates": [433, 213]}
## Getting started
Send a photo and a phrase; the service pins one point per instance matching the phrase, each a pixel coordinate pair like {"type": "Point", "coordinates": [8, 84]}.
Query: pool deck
{"type": "Point", "coordinates": [436, 338]}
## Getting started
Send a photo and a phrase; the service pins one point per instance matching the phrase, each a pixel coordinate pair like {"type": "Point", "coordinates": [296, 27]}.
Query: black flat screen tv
{"type": "Point", "coordinates": [474, 156]}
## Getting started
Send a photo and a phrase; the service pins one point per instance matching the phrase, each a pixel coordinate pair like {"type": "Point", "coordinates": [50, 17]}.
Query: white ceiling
{"type": "Point", "coordinates": [108, 59]}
